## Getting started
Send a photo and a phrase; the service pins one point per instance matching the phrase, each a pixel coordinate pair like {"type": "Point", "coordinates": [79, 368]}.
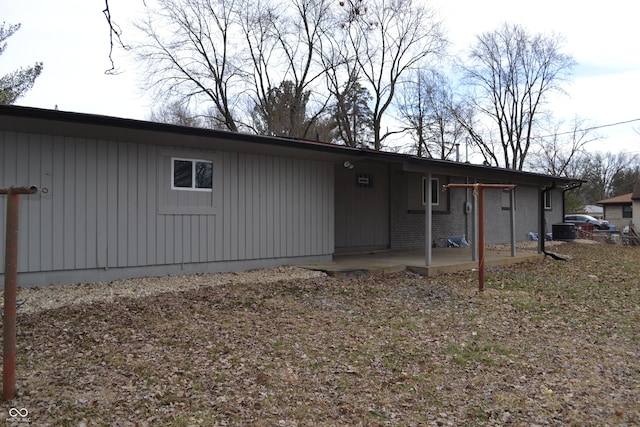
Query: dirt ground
{"type": "Point", "coordinates": [548, 343]}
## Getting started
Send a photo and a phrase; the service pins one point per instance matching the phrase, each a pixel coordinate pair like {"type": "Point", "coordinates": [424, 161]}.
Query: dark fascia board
{"type": "Point", "coordinates": [63, 123]}
{"type": "Point", "coordinates": [487, 174]}
{"type": "Point", "coordinates": [81, 125]}
{"type": "Point", "coordinates": [611, 204]}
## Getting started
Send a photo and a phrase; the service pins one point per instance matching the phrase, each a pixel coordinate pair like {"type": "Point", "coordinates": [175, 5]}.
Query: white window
{"type": "Point", "coordinates": [547, 200]}
{"type": "Point", "coordinates": [435, 194]}
{"type": "Point", "coordinates": [191, 174]}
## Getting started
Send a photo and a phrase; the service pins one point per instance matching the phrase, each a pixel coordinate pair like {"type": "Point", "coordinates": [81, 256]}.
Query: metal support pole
{"type": "Point", "coordinates": [10, 289]}
{"type": "Point", "coordinates": [480, 191]}
{"type": "Point", "coordinates": [428, 212]}
{"type": "Point", "coordinates": [541, 221]}
{"type": "Point", "coordinates": [474, 226]}
{"type": "Point", "coordinates": [512, 220]}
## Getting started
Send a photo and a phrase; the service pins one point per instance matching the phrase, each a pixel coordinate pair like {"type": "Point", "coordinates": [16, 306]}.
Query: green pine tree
{"type": "Point", "coordinates": [15, 84]}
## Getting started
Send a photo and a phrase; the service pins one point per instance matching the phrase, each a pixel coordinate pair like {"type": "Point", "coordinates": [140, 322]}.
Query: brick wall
{"type": "Point", "coordinates": [407, 226]}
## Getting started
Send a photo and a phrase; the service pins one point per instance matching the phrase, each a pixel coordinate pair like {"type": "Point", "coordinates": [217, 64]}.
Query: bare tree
{"type": "Point", "coordinates": [467, 117]}
{"type": "Point", "coordinates": [115, 36]}
{"type": "Point", "coordinates": [624, 181]}
{"type": "Point", "coordinates": [283, 42]}
{"type": "Point", "coordinates": [431, 111]}
{"type": "Point", "coordinates": [258, 22]}
{"type": "Point", "coordinates": [600, 172]}
{"type": "Point", "coordinates": [301, 44]}
{"type": "Point", "coordinates": [389, 38]}
{"type": "Point", "coordinates": [190, 53]}
{"type": "Point", "coordinates": [512, 73]}
{"type": "Point", "coordinates": [237, 54]}
{"type": "Point", "coordinates": [562, 153]}
{"type": "Point", "coordinates": [351, 117]}
{"type": "Point", "coordinates": [177, 113]}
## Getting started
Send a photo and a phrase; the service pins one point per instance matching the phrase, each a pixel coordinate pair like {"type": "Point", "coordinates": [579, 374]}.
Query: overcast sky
{"type": "Point", "coordinates": [71, 37]}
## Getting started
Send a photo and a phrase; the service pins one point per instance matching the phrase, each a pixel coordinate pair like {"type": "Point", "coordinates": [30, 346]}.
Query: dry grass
{"type": "Point", "coordinates": [550, 343]}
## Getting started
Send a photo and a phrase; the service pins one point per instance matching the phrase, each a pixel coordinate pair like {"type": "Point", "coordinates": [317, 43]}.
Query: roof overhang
{"type": "Point", "coordinates": [62, 123]}
{"type": "Point", "coordinates": [80, 125]}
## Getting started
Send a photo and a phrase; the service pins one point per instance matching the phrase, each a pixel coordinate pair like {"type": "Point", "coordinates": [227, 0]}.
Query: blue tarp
{"type": "Point", "coordinates": [534, 236]}
{"type": "Point", "coordinates": [457, 242]}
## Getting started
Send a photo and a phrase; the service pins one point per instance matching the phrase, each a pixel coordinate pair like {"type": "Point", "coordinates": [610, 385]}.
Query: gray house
{"type": "Point", "coordinates": [126, 198]}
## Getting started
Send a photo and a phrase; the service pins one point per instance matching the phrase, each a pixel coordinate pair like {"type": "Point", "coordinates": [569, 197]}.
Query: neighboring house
{"type": "Point", "coordinates": [618, 210]}
{"type": "Point", "coordinates": [635, 206]}
{"type": "Point", "coordinates": [127, 198]}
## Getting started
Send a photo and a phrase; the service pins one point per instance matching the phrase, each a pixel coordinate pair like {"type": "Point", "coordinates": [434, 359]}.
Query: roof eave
{"type": "Point", "coordinates": [156, 133]}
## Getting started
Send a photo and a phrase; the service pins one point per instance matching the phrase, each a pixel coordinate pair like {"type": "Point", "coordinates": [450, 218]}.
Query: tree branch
{"type": "Point", "coordinates": [115, 33]}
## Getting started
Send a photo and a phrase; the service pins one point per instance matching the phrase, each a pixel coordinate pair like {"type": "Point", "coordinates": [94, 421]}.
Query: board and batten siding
{"type": "Point", "coordinates": [362, 212]}
{"type": "Point", "coordinates": [108, 205]}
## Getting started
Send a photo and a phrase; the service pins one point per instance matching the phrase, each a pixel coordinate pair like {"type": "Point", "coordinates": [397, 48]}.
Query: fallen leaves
{"type": "Point", "coordinates": [545, 345]}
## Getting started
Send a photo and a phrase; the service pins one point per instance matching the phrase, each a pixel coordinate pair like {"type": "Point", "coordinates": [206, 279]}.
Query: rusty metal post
{"type": "Point", "coordinates": [10, 286]}
{"type": "Point", "coordinates": [10, 289]}
{"type": "Point", "coordinates": [478, 190]}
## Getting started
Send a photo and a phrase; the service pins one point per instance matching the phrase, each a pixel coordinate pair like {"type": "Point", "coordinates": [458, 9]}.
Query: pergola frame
{"type": "Point", "coordinates": [478, 192]}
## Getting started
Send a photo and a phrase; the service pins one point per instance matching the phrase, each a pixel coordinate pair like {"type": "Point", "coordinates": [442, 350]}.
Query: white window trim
{"type": "Point", "coordinates": [193, 174]}
{"type": "Point", "coordinates": [436, 193]}
{"type": "Point", "coordinates": [547, 198]}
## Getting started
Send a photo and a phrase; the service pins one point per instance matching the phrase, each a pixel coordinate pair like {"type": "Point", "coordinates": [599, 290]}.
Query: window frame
{"type": "Point", "coordinates": [193, 187]}
{"type": "Point", "coordinates": [506, 199]}
{"type": "Point", "coordinates": [627, 211]}
{"type": "Point", "coordinates": [548, 200]}
{"type": "Point", "coordinates": [434, 191]}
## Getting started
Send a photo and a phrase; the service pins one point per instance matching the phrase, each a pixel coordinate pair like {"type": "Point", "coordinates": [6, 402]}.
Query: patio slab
{"type": "Point", "coordinates": [443, 260]}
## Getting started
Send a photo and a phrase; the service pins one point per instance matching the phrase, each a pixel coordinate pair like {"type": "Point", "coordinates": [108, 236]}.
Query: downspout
{"type": "Point", "coordinates": [543, 220]}
{"type": "Point", "coordinates": [512, 220]}
{"type": "Point", "coordinates": [389, 208]}
{"type": "Point", "coordinates": [541, 230]}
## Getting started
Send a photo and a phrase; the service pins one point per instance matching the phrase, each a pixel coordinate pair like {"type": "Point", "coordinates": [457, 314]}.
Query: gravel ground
{"type": "Point", "coordinates": [33, 300]}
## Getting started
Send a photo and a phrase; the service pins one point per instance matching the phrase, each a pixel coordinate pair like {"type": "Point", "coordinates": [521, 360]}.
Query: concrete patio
{"type": "Point", "coordinates": [443, 260]}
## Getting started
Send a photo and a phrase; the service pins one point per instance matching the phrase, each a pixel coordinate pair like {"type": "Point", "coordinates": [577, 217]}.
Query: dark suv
{"type": "Point", "coordinates": [587, 219]}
